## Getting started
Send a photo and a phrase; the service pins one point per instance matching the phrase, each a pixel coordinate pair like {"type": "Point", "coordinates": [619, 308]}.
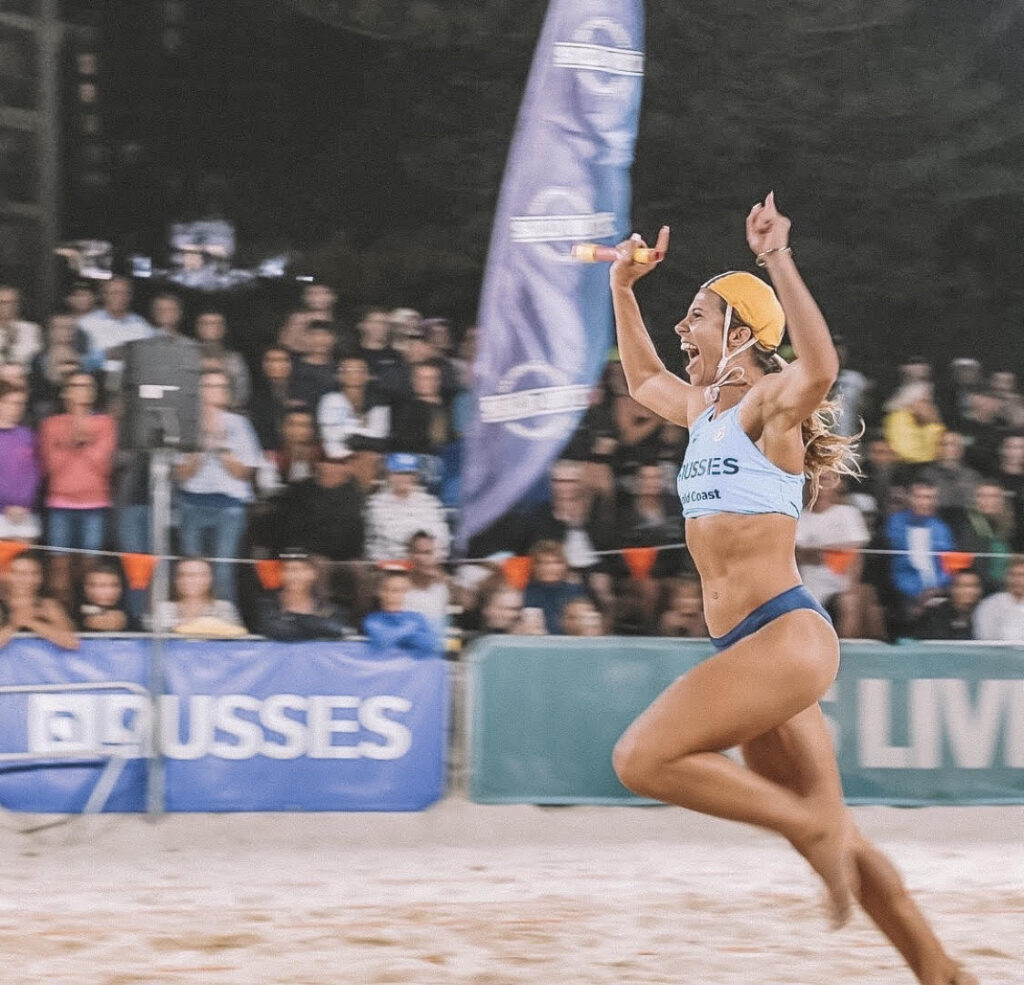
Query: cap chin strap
{"type": "Point", "coordinates": [735, 374]}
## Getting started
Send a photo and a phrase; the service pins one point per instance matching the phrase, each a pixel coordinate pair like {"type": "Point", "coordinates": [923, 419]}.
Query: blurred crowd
{"type": "Point", "coordinates": [337, 452]}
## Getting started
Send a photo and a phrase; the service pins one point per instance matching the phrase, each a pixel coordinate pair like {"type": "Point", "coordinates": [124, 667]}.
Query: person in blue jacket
{"type": "Point", "coordinates": [918, 574]}
{"type": "Point", "coordinates": [393, 629]}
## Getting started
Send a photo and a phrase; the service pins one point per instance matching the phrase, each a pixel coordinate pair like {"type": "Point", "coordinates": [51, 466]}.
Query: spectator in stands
{"type": "Point", "coordinates": [649, 516]}
{"type": "Point", "coordinates": [1003, 383]}
{"type": "Point", "coordinates": [216, 483]}
{"type": "Point", "coordinates": [375, 347]}
{"type": "Point", "coordinates": [955, 480]}
{"type": "Point", "coordinates": [80, 299]}
{"type": "Point", "coordinates": [638, 429]}
{"type": "Point", "coordinates": [920, 537]}
{"type": "Point", "coordinates": [881, 481]}
{"type": "Point", "coordinates": [323, 514]}
{"type": "Point", "coordinates": [403, 507]}
{"type": "Point", "coordinates": [65, 348]}
{"type": "Point", "coordinates": [211, 333]}
{"type": "Point", "coordinates": [299, 610]}
{"type": "Point", "coordinates": [19, 468]}
{"type": "Point", "coordinates": [581, 618]}
{"type": "Point", "coordinates": [429, 592]}
{"type": "Point", "coordinates": [915, 369]}
{"type": "Point", "coordinates": [194, 609]}
{"type": "Point", "coordinates": [20, 340]}
{"type": "Point", "coordinates": [393, 630]}
{"type": "Point", "coordinates": [102, 609]}
{"type": "Point", "coordinates": [963, 377]}
{"type": "Point", "coordinates": [1001, 616]}
{"type": "Point", "coordinates": [24, 608]}
{"type": "Point", "coordinates": [165, 313]}
{"type": "Point", "coordinates": [300, 449]}
{"type": "Point", "coordinates": [850, 388]}
{"type": "Point", "coordinates": [272, 397]}
{"type": "Point", "coordinates": [76, 451]}
{"type": "Point", "coordinates": [292, 334]}
{"type": "Point", "coordinates": [422, 423]}
{"type": "Point", "coordinates": [113, 325]}
{"type": "Point", "coordinates": [684, 613]}
{"type": "Point", "coordinates": [318, 300]}
{"type": "Point", "coordinates": [983, 431]}
{"type": "Point", "coordinates": [987, 528]}
{"type": "Point", "coordinates": [403, 321]}
{"type": "Point", "coordinates": [353, 419]}
{"type": "Point", "coordinates": [913, 427]}
{"type": "Point", "coordinates": [500, 608]}
{"type": "Point", "coordinates": [1011, 478]}
{"type": "Point", "coordinates": [952, 618]}
{"type": "Point", "coordinates": [314, 371]}
{"type": "Point", "coordinates": [397, 383]}
{"type": "Point", "coordinates": [550, 586]}
{"type": "Point", "coordinates": [829, 536]}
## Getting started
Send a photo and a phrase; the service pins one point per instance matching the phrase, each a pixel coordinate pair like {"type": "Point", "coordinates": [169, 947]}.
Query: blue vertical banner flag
{"type": "Point", "coordinates": [545, 319]}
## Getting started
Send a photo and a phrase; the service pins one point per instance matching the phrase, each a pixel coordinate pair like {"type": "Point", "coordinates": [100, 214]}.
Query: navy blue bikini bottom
{"type": "Point", "coordinates": [793, 598]}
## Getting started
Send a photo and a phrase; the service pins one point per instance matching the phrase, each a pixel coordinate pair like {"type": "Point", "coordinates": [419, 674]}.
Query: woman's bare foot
{"type": "Point", "coordinates": [961, 976]}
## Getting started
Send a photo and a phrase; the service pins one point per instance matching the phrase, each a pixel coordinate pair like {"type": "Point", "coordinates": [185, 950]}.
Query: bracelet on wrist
{"type": "Point", "coordinates": [761, 259]}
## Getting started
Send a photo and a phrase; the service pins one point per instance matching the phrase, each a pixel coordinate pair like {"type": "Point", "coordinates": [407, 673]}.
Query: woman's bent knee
{"type": "Point", "coordinates": [633, 766]}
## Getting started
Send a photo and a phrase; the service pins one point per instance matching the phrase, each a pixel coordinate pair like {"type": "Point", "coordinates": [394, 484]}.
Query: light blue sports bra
{"type": "Point", "coordinates": [725, 472]}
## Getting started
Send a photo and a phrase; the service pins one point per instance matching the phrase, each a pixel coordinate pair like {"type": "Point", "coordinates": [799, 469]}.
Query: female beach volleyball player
{"type": "Point", "coordinates": [758, 429]}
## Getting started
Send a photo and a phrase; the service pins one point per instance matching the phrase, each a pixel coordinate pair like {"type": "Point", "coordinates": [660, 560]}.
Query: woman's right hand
{"type": "Point", "coordinates": [625, 272]}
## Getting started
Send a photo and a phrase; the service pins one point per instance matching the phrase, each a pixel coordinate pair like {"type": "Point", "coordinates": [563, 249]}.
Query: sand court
{"type": "Point", "coordinates": [480, 895]}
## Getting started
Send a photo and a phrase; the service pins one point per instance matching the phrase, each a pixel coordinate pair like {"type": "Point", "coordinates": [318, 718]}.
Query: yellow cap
{"type": "Point", "coordinates": [754, 302]}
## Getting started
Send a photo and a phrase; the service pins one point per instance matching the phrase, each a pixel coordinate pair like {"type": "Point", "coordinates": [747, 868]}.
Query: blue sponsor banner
{"type": "Point", "coordinates": [545, 319]}
{"type": "Point", "coordinates": [242, 726]}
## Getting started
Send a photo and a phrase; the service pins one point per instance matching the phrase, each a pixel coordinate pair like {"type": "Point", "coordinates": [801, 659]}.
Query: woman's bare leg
{"type": "Point", "coordinates": [671, 752]}
{"type": "Point", "coordinates": [782, 757]}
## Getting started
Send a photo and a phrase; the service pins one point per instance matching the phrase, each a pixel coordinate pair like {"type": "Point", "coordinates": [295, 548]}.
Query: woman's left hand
{"type": "Point", "coordinates": [767, 228]}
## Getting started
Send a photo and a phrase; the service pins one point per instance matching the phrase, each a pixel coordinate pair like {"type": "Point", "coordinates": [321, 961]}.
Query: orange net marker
{"type": "Point", "coordinates": [517, 571]}
{"type": "Point", "coordinates": [138, 569]}
{"type": "Point", "coordinates": [954, 561]}
{"type": "Point", "coordinates": [640, 560]}
{"type": "Point", "coordinates": [838, 562]}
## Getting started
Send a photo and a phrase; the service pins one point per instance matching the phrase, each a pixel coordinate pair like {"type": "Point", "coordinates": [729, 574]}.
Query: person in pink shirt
{"type": "Point", "coordinates": [76, 449]}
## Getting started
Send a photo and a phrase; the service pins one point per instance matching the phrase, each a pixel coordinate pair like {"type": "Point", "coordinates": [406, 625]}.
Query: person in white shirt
{"type": "Point", "coordinates": [828, 536]}
{"type": "Point", "coordinates": [113, 326]}
{"type": "Point", "coordinates": [429, 592]}
{"type": "Point", "coordinates": [19, 340]}
{"type": "Point", "coordinates": [1001, 616]}
{"type": "Point", "coordinates": [401, 509]}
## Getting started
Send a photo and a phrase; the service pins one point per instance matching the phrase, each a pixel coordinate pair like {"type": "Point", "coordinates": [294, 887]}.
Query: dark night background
{"type": "Point", "coordinates": [368, 137]}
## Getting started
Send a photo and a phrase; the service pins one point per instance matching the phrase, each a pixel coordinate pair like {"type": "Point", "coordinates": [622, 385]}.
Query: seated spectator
{"type": "Point", "coordinates": [324, 514]}
{"type": "Point", "coordinates": [500, 609]}
{"type": "Point", "coordinates": [299, 610]}
{"type": "Point", "coordinates": [953, 477]}
{"type": "Point", "coordinates": [550, 588]}
{"type": "Point", "coordinates": [952, 618]}
{"type": "Point", "coordinates": [65, 347]}
{"type": "Point", "coordinates": [401, 509]}
{"type": "Point", "coordinates": [1001, 616]}
{"type": "Point", "coordinates": [20, 340]}
{"type": "Point", "coordinates": [112, 326]}
{"type": "Point", "coordinates": [102, 609]}
{"type": "Point", "coordinates": [983, 431]}
{"type": "Point", "coordinates": [1011, 478]}
{"type": "Point", "coordinates": [291, 337]}
{"type": "Point", "coordinates": [1003, 383]}
{"type": "Point", "coordinates": [881, 480]}
{"type": "Point", "coordinates": [397, 382]}
{"type": "Point", "coordinates": [353, 419]}
{"type": "Point", "coordinates": [166, 313]}
{"type": "Point", "coordinates": [987, 528]}
{"type": "Point", "coordinates": [393, 629]}
{"type": "Point", "coordinates": [912, 425]}
{"type": "Point", "coordinates": [272, 398]}
{"type": "Point", "coordinates": [684, 613]}
{"type": "Point", "coordinates": [429, 592]}
{"type": "Point", "coordinates": [962, 377]}
{"type": "Point", "coordinates": [318, 300]}
{"type": "Point", "coordinates": [314, 371]}
{"type": "Point", "coordinates": [300, 450]}
{"type": "Point", "coordinates": [375, 343]}
{"type": "Point", "coordinates": [194, 609]}
{"type": "Point", "coordinates": [828, 536]}
{"type": "Point", "coordinates": [920, 536]}
{"type": "Point", "coordinates": [649, 517]}
{"type": "Point", "coordinates": [19, 474]}
{"type": "Point", "coordinates": [215, 484]}
{"type": "Point", "coordinates": [211, 333]}
{"type": "Point", "coordinates": [24, 608]}
{"type": "Point", "coordinates": [581, 618]}
{"type": "Point", "coordinates": [422, 421]}
{"type": "Point", "coordinates": [80, 299]}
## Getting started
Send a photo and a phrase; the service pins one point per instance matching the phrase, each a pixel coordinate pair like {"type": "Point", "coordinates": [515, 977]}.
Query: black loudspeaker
{"type": "Point", "coordinates": [160, 388]}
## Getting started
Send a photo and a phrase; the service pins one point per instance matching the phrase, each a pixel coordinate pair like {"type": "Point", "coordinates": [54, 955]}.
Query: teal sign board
{"type": "Point", "coordinates": [914, 725]}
